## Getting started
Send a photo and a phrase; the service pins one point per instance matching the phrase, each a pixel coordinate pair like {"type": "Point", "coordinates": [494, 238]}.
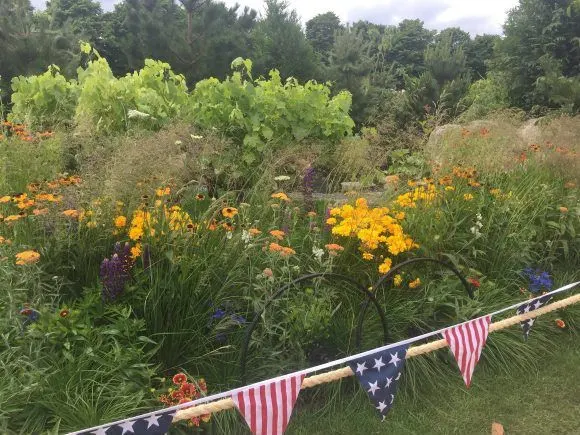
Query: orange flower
{"type": "Point", "coordinates": [334, 247]}
{"type": "Point", "coordinates": [415, 283]}
{"type": "Point", "coordinates": [64, 313]}
{"type": "Point", "coordinates": [568, 185]}
{"type": "Point", "coordinates": [164, 191]}
{"type": "Point", "coordinates": [560, 323]}
{"type": "Point", "coordinates": [4, 199]}
{"type": "Point", "coordinates": [254, 232]}
{"type": "Point", "coordinates": [39, 211]}
{"type": "Point", "coordinates": [120, 221]}
{"type": "Point", "coordinates": [563, 210]}
{"type": "Point", "coordinates": [278, 234]}
{"type": "Point", "coordinates": [71, 213]}
{"type": "Point", "coordinates": [27, 257]}
{"type": "Point", "coordinates": [275, 247]}
{"type": "Point", "coordinates": [286, 252]}
{"type": "Point", "coordinates": [228, 226]}
{"type": "Point", "coordinates": [200, 196]}
{"type": "Point", "coordinates": [311, 214]}
{"type": "Point", "coordinates": [13, 217]}
{"type": "Point", "coordinates": [267, 272]}
{"type": "Point", "coordinates": [281, 196]}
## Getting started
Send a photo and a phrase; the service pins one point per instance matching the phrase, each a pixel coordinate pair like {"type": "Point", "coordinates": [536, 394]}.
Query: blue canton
{"type": "Point", "coordinates": [379, 375]}
{"type": "Point", "coordinates": [531, 306]}
{"type": "Point", "coordinates": [156, 423]}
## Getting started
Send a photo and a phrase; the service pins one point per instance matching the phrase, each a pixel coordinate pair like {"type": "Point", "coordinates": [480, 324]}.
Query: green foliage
{"type": "Point", "coordinates": [484, 96]}
{"type": "Point", "coordinates": [44, 101]}
{"type": "Point", "coordinates": [262, 114]}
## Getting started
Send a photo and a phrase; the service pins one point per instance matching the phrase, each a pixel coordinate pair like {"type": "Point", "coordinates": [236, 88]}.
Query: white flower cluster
{"type": "Point", "coordinates": [318, 252]}
{"type": "Point", "coordinates": [475, 230]}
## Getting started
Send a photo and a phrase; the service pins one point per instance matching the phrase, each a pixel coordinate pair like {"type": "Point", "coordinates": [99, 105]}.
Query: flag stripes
{"type": "Point", "coordinates": [466, 342]}
{"type": "Point", "coordinates": [267, 408]}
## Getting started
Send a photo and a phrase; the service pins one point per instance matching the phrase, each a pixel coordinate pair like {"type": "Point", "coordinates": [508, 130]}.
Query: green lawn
{"type": "Point", "coordinates": [544, 400]}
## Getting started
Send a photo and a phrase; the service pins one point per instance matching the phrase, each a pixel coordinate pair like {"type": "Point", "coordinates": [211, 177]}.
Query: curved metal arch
{"type": "Point", "coordinates": [362, 289]}
{"type": "Point", "coordinates": [391, 273]}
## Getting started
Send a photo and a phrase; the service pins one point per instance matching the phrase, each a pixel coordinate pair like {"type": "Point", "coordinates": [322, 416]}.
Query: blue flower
{"type": "Point", "coordinates": [219, 314]}
{"type": "Point", "coordinates": [538, 279]}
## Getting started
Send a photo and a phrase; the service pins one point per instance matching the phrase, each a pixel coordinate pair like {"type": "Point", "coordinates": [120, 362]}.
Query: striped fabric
{"type": "Point", "coordinates": [466, 342]}
{"type": "Point", "coordinates": [267, 408]}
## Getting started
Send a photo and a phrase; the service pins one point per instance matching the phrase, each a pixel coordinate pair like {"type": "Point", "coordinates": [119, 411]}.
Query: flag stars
{"type": "Point", "coordinates": [379, 363]}
{"type": "Point", "coordinates": [382, 406]}
{"type": "Point", "coordinates": [153, 420]}
{"type": "Point", "coordinates": [395, 359]}
{"type": "Point", "coordinates": [537, 305]}
{"type": "Point", "coordinates": [127, 427]}
{"type": "Point", "coordinates": [360, 368]}
{"type": "Point", "coordinates": [374, 387]}
{"type": "Point", "coordinates": [389, 382]}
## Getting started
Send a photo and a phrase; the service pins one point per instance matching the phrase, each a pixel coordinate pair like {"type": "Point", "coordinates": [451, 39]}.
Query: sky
{"type": "Point", "coordinates": [474, 16]}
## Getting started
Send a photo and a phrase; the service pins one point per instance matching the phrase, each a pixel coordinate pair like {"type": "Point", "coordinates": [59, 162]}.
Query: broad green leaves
{"type": "Point", "coordinates": [261, 114]}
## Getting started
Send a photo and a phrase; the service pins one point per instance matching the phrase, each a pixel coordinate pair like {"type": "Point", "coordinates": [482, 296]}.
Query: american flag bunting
{"type": "Point", "coordinates": [379, 375]}
{"type": "Point", "coordinates": [526, 307]}
{"type": "Point", "coordinates": [267, 407]}
{"type": "Point", "coordinates": [150, 424]}
{"type": "Point", "coordinates": [466, 342]}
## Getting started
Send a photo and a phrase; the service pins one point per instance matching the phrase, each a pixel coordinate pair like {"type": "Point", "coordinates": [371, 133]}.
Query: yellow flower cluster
{"type": "Point", "coordinates": [374, 228]}
{"type": "Point", "coordinates": [426, 193]}
{"type": "Point", "coordinates": [141, 222]}
{"type": "Point", "coordinates": [177, 219]}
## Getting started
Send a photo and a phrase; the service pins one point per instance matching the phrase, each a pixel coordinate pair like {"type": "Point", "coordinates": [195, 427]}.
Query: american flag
{"type": "Point", "coordinates": [379, 375]}
{"type": "Point", "coordinates": [267, 407]}
{"type": "Point", "coordinates": [150, 424]}
{"type": "Point", "coordinates": [531, 306]}
{"type": "Point", "coordinates": [466, 342]}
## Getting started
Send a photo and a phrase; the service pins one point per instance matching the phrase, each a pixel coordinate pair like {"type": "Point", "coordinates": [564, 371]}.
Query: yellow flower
{"type": "Point", "coordinates": [449, 188]}
{"type": "Point", "coordinates": [563, 210]}
{"type": "Point", "coordinates": [164, 191]}
{"type": "Point", "coordinates": [415, 283]}
{"type": "Point", "coordinates": [135, 233]}
{"type": "Point", "coordinates": [5, 199]}
{"type": "Point", "coordinates": [397, 280]}
{"type": "Point", "coordinates": [27, 257]}
{"type": "Point", "coordinates": [311, 214]}
{"type": "Point", "coordinates": [331, 221]}
{"type": "Point", "coordinates": [136, 251]}
{"type": "Point", "coordinates": [71, 213]}
{"type": "Point", "coordinates": [467, 196]}
{"type": "Point", "coordinates": [495, 192]}
{"type": "Point", "coordinates": [229, 212]}
{"type": "Point", "coordinates": [13, 217]}
{"type": "Point", "coordinates": [4, 241]}
{"type": "Point", "coordinates": [400, 216]}
{"type": "Point", "coordinates": [120, 221]}
{"type": "Point", "coordinates": [281, 196]}
{"type": "Point", "coordinates": [385, 266]}
{"type": "Point", "coordinates": [367, 256]}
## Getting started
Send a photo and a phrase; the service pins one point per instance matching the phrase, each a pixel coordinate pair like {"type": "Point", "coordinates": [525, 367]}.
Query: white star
{"type": "Point", "coordinates": [378, 364]}
{"type": "Point", "coordinates": [374, 387]}
{"type": "Point", "coordinates": [531, 322]}
{"type": "Point", "coordinates": [360, 368]}
{"type": "Point", "coordinates": [395, 359]}
{"type": "Point", "coordinates": [398, 376]}
{"type": "Point", "coordinates": [127, 427]}
{"type": "Point", "coordinates": [382, 405]}
{"type": "Point", "coordinates": [101, 431]}
{"type": "Point", "coordinates": [527, 309]}
{"type": "Point", "coordinates": [537, 305]}
{"type": "Point", "coordinates": [389, 381]}
{"type": "Point", "coordinates": [392, 398]}
{"type": "Point", "coordinates": [153, 420]}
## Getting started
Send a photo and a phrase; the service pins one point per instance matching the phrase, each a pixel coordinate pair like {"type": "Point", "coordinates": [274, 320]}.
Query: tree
{"type": "Point", "coordinates": [321, 31]}
{"type": "Point", "coordinates": [280, 44]}
{"type": "Point", "coordinates": [458, 37]}
{"type": "Point", "coordinates": [349, 68]}
{"type": "Point", "coordinates": [537, 31]}
{"type": "Point", "coordinates": [478, 53]}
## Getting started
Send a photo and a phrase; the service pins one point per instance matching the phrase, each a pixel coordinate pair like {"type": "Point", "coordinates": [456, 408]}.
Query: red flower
{"type": "Point", "coordinates": [64, 313]}
{"type": "Point", "coordinates": [560, 323]}
{"type": "Point", "coordinates": [177, 395]}
{"type": "Point", "coordinates": [179, 379]}
{"type": "Point", "coordinates": [202, 385]}
{"type": "Point", "coordinates": [26, 311]}
{"type": "Point", "coordinates": [474, 282]}
{"type": "Point", "coordinates": [188, 389]}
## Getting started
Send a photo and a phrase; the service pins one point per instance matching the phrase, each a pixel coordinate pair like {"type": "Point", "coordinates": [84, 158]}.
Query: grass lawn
{"type": "Point", "coordinates": [544, 400]}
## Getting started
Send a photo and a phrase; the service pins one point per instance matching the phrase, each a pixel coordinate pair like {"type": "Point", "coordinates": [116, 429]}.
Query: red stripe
{"type": "Point", "coordinates": [264, 410]}
{"type": "Point", "coordinates": [241, 403]}
{"type": "Point", "coordinates": [252, 422]}
{"type": "Point", "coordinates": [285, 416]}
{"type": "Point", "coordinates": [274, 409]}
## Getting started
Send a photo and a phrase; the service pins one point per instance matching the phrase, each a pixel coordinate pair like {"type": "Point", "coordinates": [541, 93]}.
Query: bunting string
{"type": "Point", "coordinates": [335, 375]}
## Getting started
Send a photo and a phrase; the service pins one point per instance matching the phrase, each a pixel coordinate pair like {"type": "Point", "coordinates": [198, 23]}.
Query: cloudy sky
{"type": "Point", "coordinates": [474, 16]}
